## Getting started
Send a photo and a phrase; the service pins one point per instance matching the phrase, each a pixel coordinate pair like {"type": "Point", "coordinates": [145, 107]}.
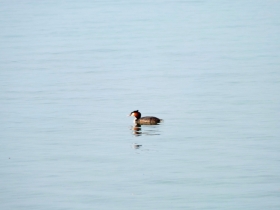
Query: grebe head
{"type": "Point", "coordinates": [136, 114]}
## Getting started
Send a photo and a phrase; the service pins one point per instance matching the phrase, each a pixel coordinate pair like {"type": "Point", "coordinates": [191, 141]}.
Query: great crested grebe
{"type": "Point", "coordinates": [149, 120]}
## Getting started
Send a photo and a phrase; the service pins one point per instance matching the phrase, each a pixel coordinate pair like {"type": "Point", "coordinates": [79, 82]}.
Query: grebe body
{"type": "Point", "coordinates": [148, 120]}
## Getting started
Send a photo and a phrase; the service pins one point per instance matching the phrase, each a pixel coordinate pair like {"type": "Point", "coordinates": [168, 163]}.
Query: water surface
{"type": "Point", "coordinates": [71, 72]}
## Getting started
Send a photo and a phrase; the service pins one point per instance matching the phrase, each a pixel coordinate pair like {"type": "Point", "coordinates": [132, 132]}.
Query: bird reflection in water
{"type": "Point", "coordinates": [136, 146]}
{"type": "Point", "coordinates": [137, 130]}
{"type": "Point", "coordinates": [147, 130]}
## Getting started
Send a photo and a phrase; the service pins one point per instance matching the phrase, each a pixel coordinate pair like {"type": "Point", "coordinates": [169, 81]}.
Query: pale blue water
{"type": "Point", "coordinates": [71, 72]}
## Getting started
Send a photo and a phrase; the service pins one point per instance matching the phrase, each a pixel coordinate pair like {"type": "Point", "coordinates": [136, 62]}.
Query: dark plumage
{"type": "Point", "coordinates": [148, 120]}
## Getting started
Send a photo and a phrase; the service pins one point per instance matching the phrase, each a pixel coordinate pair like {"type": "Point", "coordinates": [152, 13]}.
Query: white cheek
{"type": "Point", "coordinates": [132, 114]}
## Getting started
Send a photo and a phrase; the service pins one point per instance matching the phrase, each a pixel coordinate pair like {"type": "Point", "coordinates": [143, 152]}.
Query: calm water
{"type": "Point", "coordinates": [71, 72]}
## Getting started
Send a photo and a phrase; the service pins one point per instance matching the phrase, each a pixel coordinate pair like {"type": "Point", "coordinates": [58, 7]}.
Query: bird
{"type": "Point", "coordinates": [148, 120]}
